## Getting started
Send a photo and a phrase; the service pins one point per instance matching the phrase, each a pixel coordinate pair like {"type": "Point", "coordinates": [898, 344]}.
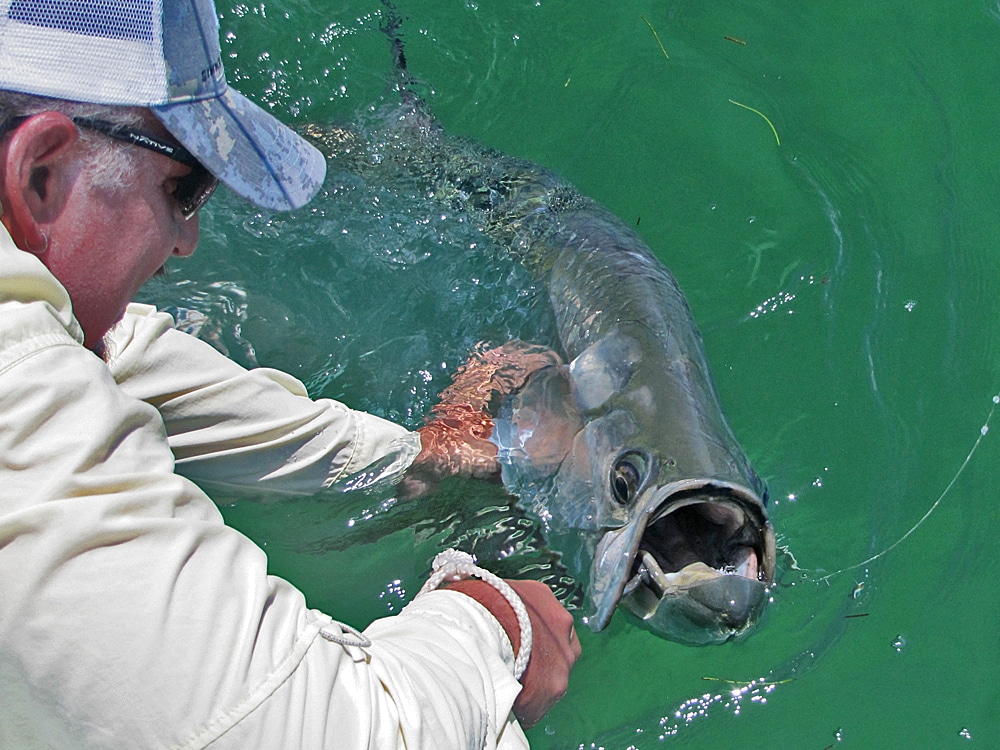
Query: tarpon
{"type": "Point", "coordinates": [624, 453]}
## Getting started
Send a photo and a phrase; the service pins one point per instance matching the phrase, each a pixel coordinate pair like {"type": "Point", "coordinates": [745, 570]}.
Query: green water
{"type": "Point", "coordinates": [844, 281]}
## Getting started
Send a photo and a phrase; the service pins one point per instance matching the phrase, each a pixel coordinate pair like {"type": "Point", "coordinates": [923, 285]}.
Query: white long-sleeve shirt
{"type": "Point", "coordinates": [132, 616]}
{"type": "Point", "coordinates": [248, 428]}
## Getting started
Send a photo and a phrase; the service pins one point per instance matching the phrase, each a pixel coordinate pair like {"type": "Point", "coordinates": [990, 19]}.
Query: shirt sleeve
{"type": "Point", "coordinates": [399, 692]}
{"type": "Point", "coordinates": [132, 616]}
{"type": "Point", "coordinates": [249, 428]}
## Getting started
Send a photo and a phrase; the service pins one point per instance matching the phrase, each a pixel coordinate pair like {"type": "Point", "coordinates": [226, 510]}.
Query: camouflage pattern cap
{"type": "Point", "coordinates": [164, 55]}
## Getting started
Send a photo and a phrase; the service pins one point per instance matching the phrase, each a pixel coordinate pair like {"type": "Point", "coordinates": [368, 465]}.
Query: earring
{"type": "Point", "coordinates": [44, 248]}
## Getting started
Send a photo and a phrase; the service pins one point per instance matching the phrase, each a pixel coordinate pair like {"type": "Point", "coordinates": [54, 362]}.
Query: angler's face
{"type": "Point", "coordinates": [110, 241]}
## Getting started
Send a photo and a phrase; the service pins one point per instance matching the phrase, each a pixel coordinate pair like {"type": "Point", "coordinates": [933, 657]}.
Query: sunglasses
{"type": "Point", "coordinates": [193, 189]}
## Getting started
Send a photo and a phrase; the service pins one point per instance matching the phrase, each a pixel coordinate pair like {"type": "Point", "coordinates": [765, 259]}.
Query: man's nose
{"type": "Point", "coordinates": [187, 237]}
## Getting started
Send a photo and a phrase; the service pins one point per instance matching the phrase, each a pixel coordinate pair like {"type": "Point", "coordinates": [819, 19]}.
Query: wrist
{"type": "Point", "coordinates": [497, 605]}
{"type": "Point", "coordinates": [453, 565]}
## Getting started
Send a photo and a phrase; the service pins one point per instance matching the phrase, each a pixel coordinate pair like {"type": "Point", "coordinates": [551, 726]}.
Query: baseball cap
{"type": "Point", "coordinates": [164, 55]}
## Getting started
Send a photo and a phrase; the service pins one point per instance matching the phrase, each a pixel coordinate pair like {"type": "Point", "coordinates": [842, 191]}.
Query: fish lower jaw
{"type": "Point", "coordinates": [650, 575]}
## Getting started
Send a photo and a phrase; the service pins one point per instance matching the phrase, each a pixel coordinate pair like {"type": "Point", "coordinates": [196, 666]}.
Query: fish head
{"type": "Point", "coordinates": [692, 557]}
{"type": "Point", "coordinates": [626, 458]}
{"type": "Point", "coordinates": [695, 562]}
{"type": "Point", "coordinates": [679, 531]}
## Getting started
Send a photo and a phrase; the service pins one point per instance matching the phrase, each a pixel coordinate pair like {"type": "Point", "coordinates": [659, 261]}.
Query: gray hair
{"type": "Point", "coordinates": [111, 167]}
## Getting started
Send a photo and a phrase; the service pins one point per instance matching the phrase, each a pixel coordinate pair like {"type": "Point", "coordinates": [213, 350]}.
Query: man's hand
{"type": "Point", "coordinates": [455, 440]}
{"type": "Point", "coordinates": [554, 648]}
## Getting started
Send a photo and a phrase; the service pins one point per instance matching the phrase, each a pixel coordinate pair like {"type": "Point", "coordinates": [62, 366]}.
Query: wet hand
{"type": "Point", "coordinates": [456, 437]}
{"type": "Point", "coordinates": [456, 441]}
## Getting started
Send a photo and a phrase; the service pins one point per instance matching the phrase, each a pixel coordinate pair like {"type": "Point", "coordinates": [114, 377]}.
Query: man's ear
{"type": "Point", "coordinates": [40, 167]}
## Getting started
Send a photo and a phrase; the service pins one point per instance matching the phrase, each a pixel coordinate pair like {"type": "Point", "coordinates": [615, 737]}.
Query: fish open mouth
{"type": "Point", "coordinates": [702, 565]}
{"type": "Point", "coordinates": [694, 537]}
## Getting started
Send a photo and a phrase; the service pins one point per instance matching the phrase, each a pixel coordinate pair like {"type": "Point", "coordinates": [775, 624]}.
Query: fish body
{"type": "Point", "coordinates": [664, 507]}
{"type": "Point", "coordinates": [623, 453]}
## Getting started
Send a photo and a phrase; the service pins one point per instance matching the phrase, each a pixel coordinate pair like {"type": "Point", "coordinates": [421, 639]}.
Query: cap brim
{"type": "Point", "coordinates": [253, 153]}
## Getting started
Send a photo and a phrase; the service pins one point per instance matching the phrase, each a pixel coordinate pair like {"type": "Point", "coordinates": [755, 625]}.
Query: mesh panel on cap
{"type": "Point", "coordinates": [101, 51]}
{"type": "Point", "coordinates": [115, 19]}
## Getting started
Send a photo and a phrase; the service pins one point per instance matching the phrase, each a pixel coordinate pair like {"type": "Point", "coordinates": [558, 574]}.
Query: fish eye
{"type": "Point", "coordinates": [626, 476]}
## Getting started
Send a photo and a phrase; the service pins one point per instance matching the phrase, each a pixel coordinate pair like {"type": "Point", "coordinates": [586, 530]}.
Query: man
{"type": "Point", "coordinates": [130, 615]}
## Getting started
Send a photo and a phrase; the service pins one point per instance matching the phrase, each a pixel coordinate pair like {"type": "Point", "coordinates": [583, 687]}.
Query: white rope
{"type": "Point", "coordinates": [360, 639]}
{"type": "Point", "coordinates": [454, 565]}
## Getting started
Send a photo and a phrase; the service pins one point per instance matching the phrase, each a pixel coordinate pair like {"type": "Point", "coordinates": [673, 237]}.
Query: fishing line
{"type": "Point", "coordinates": [975, 446]}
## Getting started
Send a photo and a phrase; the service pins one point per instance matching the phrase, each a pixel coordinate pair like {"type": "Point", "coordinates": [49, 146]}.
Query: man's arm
{"type": "Point", "coordinates": [248, 428]}
{"type": "Point", "coordinates": [131, 615]}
